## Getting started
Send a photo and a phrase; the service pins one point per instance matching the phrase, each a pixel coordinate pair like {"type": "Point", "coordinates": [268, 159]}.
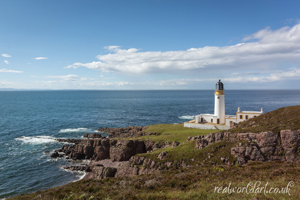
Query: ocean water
{"type": "Point", "coordinates": [30, 120]}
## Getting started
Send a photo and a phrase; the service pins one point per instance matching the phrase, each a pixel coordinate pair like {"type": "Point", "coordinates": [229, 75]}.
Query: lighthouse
{"type": "Point", "coordinates": [219, 114]}
{"type": "Point", "coordinates": [219, 120]}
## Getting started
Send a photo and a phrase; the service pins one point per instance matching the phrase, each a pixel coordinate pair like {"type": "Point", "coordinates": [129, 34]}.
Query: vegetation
{"type": "Point", "coordinates": [206, 172]}
{"type": "Point", "coordinates": [196, 182]}
{"type": "Point", "coordinates": [173, 132]}
{"type": "Point", "coordinates": [186, 152]}
{"type": "Point", "coordinates": [280, 119]}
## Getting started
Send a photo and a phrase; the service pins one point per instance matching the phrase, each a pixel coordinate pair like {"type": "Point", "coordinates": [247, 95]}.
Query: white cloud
{"type": "Point", "coordinates": [290, 74]}
{"type": "Point", "coordinates": [10, 71]}
{"type": "Point", "coordinates": [265, 49]}
{"type": "Point", "coordinates": [70, 77]}
{"type": "Point", "coordinates": [6, 61]}
{"type": "Point", "coordinates": [41, 58]}
{"type": "Point", "coordinates": [6, 55]}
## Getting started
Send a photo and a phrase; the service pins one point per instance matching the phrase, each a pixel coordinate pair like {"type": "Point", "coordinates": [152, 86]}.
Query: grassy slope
{"type": "Point", "coordinates": [190, 183]}
{"type": "Point", "coordinates": [280, 119]}
{"type": "Point", "coordinates": [173, 132]}
{"type": "Point", "coordinates": [198, 181]}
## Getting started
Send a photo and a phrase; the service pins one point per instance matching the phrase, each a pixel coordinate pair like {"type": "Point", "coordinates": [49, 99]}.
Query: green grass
{"type": "Point", "coordinates": [172, 132]}
{"type": "Point", "coordinates": [197, 182]}
{"type": "Point", "coordinates": [277, 120]}
{"type": "Point", "coordinates": [187, 152]}
{"type": "Point", "coordinates": [206, 170]}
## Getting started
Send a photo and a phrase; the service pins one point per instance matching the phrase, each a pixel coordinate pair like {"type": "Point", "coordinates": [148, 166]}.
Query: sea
{"type": "Point", "coordinates": [31, 120]}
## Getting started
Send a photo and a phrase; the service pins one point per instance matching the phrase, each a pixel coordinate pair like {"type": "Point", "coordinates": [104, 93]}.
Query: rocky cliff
{"type": "Point", "coordinates": [99, 149]}
{"type": "Point", "coordinates": [116, 151]}
{"type": "Point", "coordinates": [264, 146]}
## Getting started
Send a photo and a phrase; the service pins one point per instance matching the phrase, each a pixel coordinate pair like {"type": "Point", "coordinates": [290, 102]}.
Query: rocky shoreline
{"type": "Point", "coordinates": [111, 157]}
{"type": "Point", "coordinates": [116, 157]}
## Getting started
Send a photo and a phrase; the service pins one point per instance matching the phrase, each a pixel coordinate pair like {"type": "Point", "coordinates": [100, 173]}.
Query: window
{"type": "Point", "coordinates": [246, 117]}
{"type": "Point", "coordinates": [218, 121]}
{"type": "Point", "coordinates": [230, 122]}
{"type": "Point", "coordinates": [241, 116]}
{"type": "Point", "coordinates": [254, 116]}
{"type": "Point", "coordinates": [211, 120]}
{"type": "Point", "coordinates": [218, 97]}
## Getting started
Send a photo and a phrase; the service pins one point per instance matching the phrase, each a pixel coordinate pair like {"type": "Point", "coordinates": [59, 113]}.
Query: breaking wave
{"type": "Point", "coordinates": [77, 130]}
{"type": "Point", "coordinates": [36, 139]}
{"type": "Point", "coordinates": [186, 117]}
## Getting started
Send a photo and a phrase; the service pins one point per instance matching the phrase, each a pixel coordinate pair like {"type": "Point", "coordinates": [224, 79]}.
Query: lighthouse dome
{"type": "Point", "coordinates": [219, 85]}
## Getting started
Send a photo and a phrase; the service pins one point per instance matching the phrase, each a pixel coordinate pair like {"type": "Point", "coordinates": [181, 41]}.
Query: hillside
{"type": "Point", "coordinates": [186, 172]}
{"type": "Point", "coordinates": [280, 119]}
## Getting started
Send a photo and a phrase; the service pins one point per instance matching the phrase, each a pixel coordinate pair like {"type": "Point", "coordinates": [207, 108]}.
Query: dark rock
{"type": "Point", "coordinates": [74, 141]}
{"type": "Point", "coordinates": [131, 131]}
{"type": "Point", "coordinates": [124, 149]}
{"type": "Point", "coordinates": [136, 160]}
{"type": "Point", "coordinates": [175, 144]}
{"type": "Point", "coordinates": [54, 155]}
{"type": "Point", "coordinates": [100, 172]}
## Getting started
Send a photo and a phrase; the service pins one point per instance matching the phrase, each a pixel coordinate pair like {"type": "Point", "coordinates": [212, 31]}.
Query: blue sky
{"type": "Point", "coordinates": [142, 44]}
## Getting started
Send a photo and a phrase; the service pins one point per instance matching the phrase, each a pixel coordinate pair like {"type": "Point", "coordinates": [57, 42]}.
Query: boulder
{"type": "Point", "coordinates": [124, 149]}
{"type": "Point", "coordinates": [175, 144]}
{"type": "Point", "coordinates": [162, 155]}
{"type": "Point", "coordinates": [54, 155]}
{"type": "Point", "coordinates": [100, 172]}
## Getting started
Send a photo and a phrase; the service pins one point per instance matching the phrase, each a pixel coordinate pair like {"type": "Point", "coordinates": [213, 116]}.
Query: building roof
{"type": "Point", "coordinates": [251, 112]}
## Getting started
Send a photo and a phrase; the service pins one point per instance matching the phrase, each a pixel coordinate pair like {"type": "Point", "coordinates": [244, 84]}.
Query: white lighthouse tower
{"type": "Point", "coordinates": [219, 114]}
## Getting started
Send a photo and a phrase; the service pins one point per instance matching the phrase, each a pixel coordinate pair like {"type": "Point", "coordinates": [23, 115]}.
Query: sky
{"type": "Point", "coordinates": [149, 44]}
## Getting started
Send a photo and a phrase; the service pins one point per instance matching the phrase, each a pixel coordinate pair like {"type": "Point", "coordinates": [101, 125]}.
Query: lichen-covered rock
{"type": "Point", "coordinates": [100, 172]}
{"type": "Point", "coordinates": [175, 144]}
{"type": "Point", "coordinates": [269, 146]}
{"type": "Point", "coordinates": [162, 155]}
{"type": "Point", "coordinates": [211, 138]}
{"type": "Point", "coordinates": [136, 160]}
{"type": "Point", "coordinates": [124, 149]}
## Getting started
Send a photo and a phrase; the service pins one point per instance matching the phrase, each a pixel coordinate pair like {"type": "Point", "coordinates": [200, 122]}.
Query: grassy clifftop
{"type": "Point", "coordinates": [206, 171]}
{"type": "Point", "coordinates": [277, 120]}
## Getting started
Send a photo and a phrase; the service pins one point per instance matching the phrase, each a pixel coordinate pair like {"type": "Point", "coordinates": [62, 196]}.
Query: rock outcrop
{"type": "Point", "coordinates": [271, 146]}
{"type": "Point", "coordinates": [99, 149]}
{"type": "Point", "coordinates": [101, 172]}
{"type": "Point", "coordinates": [122, 150]}
{"type": "Point", "coordinates": [264, 146]}
{"type": "Point", "coordinates": [131, 131]}
{"type": "Point", "coordinates": [205, 140]}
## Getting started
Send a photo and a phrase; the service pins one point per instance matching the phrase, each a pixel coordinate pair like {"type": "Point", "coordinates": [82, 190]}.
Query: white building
{"type": "Point", "coordinates": [219, 120]}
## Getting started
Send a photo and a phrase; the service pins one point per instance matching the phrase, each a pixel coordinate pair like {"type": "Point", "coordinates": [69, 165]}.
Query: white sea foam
{"type": "Point", "coordinates": [72, 130]}
{"type": "Point", "coordinates": [37, 139]}
{"type": "Point", "coordinates": [186, 117]}
{"type": "Point", "coordinates": [81, 174]}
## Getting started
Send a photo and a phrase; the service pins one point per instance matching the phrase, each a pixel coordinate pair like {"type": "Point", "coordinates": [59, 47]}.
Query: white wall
{"type": "Point", "coordinates": [219, 108]}
{"type": "Point", "coordinates": [250, 115]}
{"type": "Point", "coordinates": [206, 118]}
{"type": "Point", "coordinates": [228, 121]}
